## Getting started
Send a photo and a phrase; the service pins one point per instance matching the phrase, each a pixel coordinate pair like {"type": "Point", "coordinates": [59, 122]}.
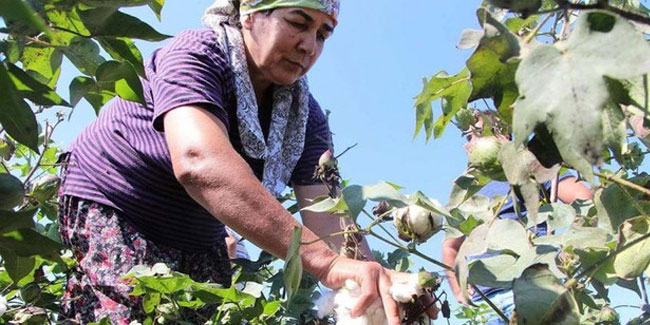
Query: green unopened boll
{"type": "Point", "coordinates": [483, 154]}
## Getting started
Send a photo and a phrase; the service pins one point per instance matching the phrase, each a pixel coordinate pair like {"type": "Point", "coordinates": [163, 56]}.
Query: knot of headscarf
{"type": "Point", "coordinates": [285, 142]}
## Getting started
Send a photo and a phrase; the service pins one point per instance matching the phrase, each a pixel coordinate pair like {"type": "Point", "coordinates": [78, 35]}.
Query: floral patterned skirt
{"type": "Point", "coordinates": [106, 247]}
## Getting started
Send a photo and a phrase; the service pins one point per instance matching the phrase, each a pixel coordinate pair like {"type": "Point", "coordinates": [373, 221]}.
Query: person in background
{"type": "Point", "coordinates": [228, 122]}
{"type": "Point", "coordinates": [235, 245]}
{"type": "Point", "coordinates": [569, 189]}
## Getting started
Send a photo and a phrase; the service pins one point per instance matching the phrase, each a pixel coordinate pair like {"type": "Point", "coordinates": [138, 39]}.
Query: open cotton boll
{"type": "Point", "coordinates": [404, 291]}
{"type": "Point", "coordinates": [341, 302]}
{"type": "Point", "coordinates": [3, 305]}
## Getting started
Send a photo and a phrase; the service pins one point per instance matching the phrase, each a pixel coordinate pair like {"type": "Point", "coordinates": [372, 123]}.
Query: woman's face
{"type": "Point", "coordinates": [284, 44]}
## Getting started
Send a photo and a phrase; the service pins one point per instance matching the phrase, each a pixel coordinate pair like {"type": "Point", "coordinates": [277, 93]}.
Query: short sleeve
{"type": "Point", "coordinates": [191, 70]}
{"type": "Point", "coordinates": [318, 139]}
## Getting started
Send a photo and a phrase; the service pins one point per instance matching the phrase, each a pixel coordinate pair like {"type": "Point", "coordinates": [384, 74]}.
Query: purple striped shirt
{"type": "Point", "coordinates": [121, 159]}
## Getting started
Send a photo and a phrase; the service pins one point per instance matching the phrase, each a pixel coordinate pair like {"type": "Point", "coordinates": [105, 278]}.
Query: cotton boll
{"type": "Point", "coordinates": [347, 297]}
{"type": "Point", "coordinates": [404, 291]}
{"type": "Point", "coordinates": [3, 305]}
{"type": "Point", "coordinates": [325, 303]}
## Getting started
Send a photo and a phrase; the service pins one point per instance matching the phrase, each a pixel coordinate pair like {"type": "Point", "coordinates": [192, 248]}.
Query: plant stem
{"type": "Point", "coordinates": [633, 200]}
{"type": "Point", "coordinates": [623, 182]}
{"type": "Point", "coordinates": [594, 266]}
{"type": "Point", "coordinates": [539, 26]}
{"type": "Point", "coordinates": [346, 150]}
{"type": "Point", "coordinates": [644, 292]}
{"type": "Point", "coordinates": [498, 209]}
{"type": "Point", "coordinates": [334, 234]}
{"type": "Point", "coordinates": [380, 226]}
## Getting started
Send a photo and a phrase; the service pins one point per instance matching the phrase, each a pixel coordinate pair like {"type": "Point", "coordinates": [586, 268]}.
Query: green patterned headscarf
{"type": "Point", "coordinates": [330, 7]}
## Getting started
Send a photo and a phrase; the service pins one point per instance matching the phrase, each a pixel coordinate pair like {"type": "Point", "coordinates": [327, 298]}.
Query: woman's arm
{"type": "Point", "coordinates": [321, 223]}
{"type": "Point", "coordinates": [218, 178]}
{"type": "Point", "coordinates": [450, 249]}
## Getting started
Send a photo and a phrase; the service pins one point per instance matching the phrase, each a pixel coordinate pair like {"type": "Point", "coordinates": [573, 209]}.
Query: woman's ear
{"type": "Point", "coordinates": [247, 21]}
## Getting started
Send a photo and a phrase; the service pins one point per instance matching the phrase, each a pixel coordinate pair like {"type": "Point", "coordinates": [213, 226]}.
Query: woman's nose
{"type": "Point", "coordinates": [308, 44]}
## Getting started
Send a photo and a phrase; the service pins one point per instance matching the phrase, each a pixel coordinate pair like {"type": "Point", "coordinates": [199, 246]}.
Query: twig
{"type": "Point", "coordinates": [623, 182]}
{"type": "Point", "coordinates": [334, 234]}
{"type": "Point", "coordinates": [644, 293]}
{"type": "Point", "coordinates": [380, 226]}
{"type": "Point", "coordinates": [633, 200]}
{"type": "Point", "coordinates": [346, 150]}
{"type": "Point", "coordinates": [539, 26]}
{"type": "Point", "coordinates": [499, 207]}
{"type": "Point", "coordinates": [594, 266]}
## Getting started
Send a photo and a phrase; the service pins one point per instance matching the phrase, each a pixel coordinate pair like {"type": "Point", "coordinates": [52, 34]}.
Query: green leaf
{"type": "Point", "coordinates": [12, 49]}
{"type": "Point", "coordinates": [469, 38]}
{"type": "Point", "coordinates": [605, 272]}
{"type": "Point", "coordinates": [271, 308]}
{"type": "Point", "coordinates": [615, 130]}
{"type": "Point", "coordinates": [18, 267]}
{"type": "Point", "coordinates": [491, 67]}
{"type": "Point", "coordinates": [328, 204]}
{"type": "Point", "coordinates": [556, 215]}
{"type": "Point", "coordinates": [115, 3]}
{"type": "Point", "coordinates": [453, 99]}
{"type": "Point", "coordinates": [524, 171]}
{"type": "Point", "coordinates": [465, 187]}
{"type": "Point", "coordinates": [12, 191]}
{"type": "Point", "coordinates": [10, 221]}
{"type": "Point", "coordinates": [614, 206]}
{"type": "Point", "coordinates": [21, 11]}
{"type": "Point", "coordinates": [32, 89]}
{"type": "Point", "coordinates": [569, 75]}
{"type": "Point", "coordinates": [540, 298]}
{"type": "Point", "coordinates": [468, 225]}
{"type": "Point", "coordinates": [156, 6]}
{"type": "Point", "coordinates": [110, 22]}
{"type": "Point", "coordinates": [43, 63]}
{"type": "Point", "coordinates": [453, 88]}
{"type": "Point", "coordinates": [166, 284]}
{"type": "Point", "coordinates": [631, 262]}
{"type": "Point", "coordinates": [123, 49]}
{"type": "Point", "coordinates": [495, 272]}
{"type": "Point", "coordinates": [83, 53]}
{"type": "Point", "coordinates": [150, 301]}
{"type": "Point", "coordinates": [577, 237]}
{"type": "Point", "coordinates": [293, 265]}
{"type": "Point", "coordinates": [84, 87]}
{"type": "Point", "coordinates": [505, 228]}
{"type": "Point", "coordinates": [474, 244]}
{"type": "Point", "coordinates": [121, 78]}
{"type": "Point", "coordinates": [28, 242]}
{"type": "Point", "coordinates": [16, 116]}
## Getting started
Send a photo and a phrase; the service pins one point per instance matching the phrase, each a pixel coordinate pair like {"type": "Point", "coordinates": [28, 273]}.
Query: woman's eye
{"type": "Point", "coordinates": [297, 24]}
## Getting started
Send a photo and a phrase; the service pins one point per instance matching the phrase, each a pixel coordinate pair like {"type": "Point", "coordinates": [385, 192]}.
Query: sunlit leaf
{"type": "Point", "coordinates": [21, 11]}
{"type": "Point", "coordinates": [293, 264]}
{"type": "Point", "coordinates": [32, 89]}
{"type": "Point", "coordinates": [631, 262]}
{"type": "Point", "coordinates": [614, 206]}
{"type": "Point", "coordinates": [123, 49]}
{"type": "Point", "coordinates": [454, 89]}
{"type": "Point", "coordinates": [491, 67]}
{"type": "Point", "coordinates": [107, 21]}
{"type": "Point", "coordinates": [121, 78]}
{"type": "Point", "coordinates": [562, 85]}
{"type": "Point", "coordinates": [84, 87]}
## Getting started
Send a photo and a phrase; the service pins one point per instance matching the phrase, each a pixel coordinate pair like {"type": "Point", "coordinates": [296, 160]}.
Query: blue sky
{"type": "Point", "coordinates": [367, 76]}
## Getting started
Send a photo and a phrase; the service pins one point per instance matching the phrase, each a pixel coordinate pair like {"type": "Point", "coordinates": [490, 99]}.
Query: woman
{"type": "Point", "coordinates": [228, 123]}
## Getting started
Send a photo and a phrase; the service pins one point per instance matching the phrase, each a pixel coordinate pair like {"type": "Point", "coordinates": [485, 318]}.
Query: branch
{"type": "Point", "coordinates": [623, 182]}
{"type": "Point", "coordinates": [594, 266]}
{"type": "Point", "coordinates": [346, 150]}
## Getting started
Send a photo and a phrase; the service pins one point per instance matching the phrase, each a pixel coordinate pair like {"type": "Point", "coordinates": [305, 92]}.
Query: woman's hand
{"type": "Point", "coordinates": [375, 282]}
